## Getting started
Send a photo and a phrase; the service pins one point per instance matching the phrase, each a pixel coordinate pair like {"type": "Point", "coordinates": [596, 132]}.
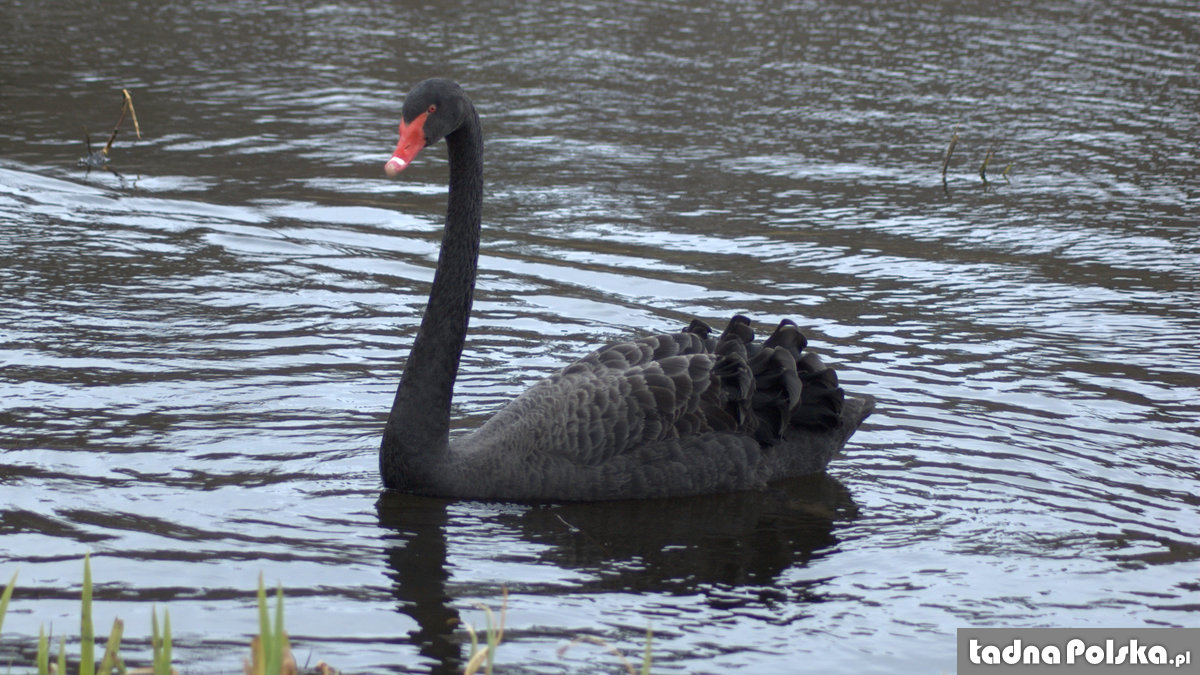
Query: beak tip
{"type": "Point", "coordinates": [394, 166]}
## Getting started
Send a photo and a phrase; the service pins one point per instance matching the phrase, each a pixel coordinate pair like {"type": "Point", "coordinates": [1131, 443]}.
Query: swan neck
{"type": "Point", "coordinates": [416, 436]}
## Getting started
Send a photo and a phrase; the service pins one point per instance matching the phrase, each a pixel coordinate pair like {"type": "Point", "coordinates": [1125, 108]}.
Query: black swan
{"type": "Point", "coordinates": [676, 414]}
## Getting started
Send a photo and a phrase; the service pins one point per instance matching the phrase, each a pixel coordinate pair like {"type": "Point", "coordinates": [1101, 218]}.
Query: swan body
{"type": "Point", "coordinates": [667, 415]}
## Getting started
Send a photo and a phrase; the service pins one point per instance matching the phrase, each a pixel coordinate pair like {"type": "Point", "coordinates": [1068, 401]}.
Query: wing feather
{"type": "Point", "coordinates": [630, 395]}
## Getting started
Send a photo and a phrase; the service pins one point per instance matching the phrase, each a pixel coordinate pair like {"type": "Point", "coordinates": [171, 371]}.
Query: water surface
{"type": "Point", "coordinates": [197, 355]}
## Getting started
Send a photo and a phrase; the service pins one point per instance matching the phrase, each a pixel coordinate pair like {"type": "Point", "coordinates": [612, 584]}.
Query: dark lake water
{"type": "Point", "coordinates": [196, 356]}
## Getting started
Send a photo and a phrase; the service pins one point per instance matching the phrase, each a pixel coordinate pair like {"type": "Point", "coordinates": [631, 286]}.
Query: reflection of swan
{"type": "Point", "coordinates": [732, 549]}
{"type": "Point", "coordinates": [416, 554]}
{"type": "Point", "coordinates": [687, 544]}
{"type": "Point", "coordinates": [674, 414]}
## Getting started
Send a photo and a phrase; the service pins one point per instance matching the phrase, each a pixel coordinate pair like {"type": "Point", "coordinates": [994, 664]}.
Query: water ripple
{"type": "Point", "coordinates": [197, 354]}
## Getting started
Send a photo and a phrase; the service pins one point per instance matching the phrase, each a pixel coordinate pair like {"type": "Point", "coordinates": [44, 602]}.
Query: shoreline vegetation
{"type": "Point", "coordinates": [270, 650]}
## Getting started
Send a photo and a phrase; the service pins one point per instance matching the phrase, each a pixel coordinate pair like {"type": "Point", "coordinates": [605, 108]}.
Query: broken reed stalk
{"type": "Point", "coordinates": [137, 128]}
{"type": "Point", "coordinates": [599, 642]}
{"type": "Point", "coordinates": [949, 151]}
{"type": "Point", "coordinates": [126, 107]}
{"type": "Point", "coordinates": [983, 168]}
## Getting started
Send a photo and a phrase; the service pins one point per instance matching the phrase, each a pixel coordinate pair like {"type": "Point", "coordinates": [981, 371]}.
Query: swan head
{"type": "Point", "coordinates": [432, 110]}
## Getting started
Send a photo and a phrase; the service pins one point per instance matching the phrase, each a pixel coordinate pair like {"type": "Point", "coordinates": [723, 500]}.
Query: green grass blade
{"type": "Point", "coordinates": [646, 654]}
{"type": "Point", "coordinates": [272, 638]}
{"type": "Point", "coordinates": [160, 643]}
{"type": "Point", "coordinates": [264, 625]}
{"type": "Point", "coordinates": [4, 598]}
{"type": "Point", "coordinates": [43, 652]}
{"type": "Point", "coordinates": [109, 660]}
{"type": "Point", "coordinates": [278, 611]}
{"type": "Point", "coordinates": [280, 638]}
{"type": "Point", "coordinates": [155, 640]}
{"type": "Point", "coordinates": [62, 655]}
{"type": "Point", "coordinates": [87, 638]}
{"type": "Point", "coordinates": [165, 665]}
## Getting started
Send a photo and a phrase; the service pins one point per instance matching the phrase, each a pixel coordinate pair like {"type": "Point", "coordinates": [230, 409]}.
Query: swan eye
{"type": "Point", "coordinates": [432, 109]}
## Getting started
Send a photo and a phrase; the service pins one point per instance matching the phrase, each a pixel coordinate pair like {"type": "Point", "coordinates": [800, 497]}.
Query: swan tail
{"type": "Point", "coordinates": [822, 398]}
{"type": "Point", "coordinates": [766, 388]}
{"type": "Point", "coordinates": [730, 408]}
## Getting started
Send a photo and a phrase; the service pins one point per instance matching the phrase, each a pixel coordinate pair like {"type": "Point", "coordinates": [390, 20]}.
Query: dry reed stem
{"type": "Point", "coordinates": [137, 128]}
{"type": "Point", "coordinates": [126, 107]}
{"type": "Point", "coordinates": [600, 643]}
{"type": "Point", "coordinates": [986, 160]}
{"type": "Point", "coordinates": [495, 633]}
{"type": "Point", "coordinates": [949, 151]}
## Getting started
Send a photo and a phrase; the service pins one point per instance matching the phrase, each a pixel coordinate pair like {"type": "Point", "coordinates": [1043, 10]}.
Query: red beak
{"type": "Point", "coordinates": [412, 139]}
